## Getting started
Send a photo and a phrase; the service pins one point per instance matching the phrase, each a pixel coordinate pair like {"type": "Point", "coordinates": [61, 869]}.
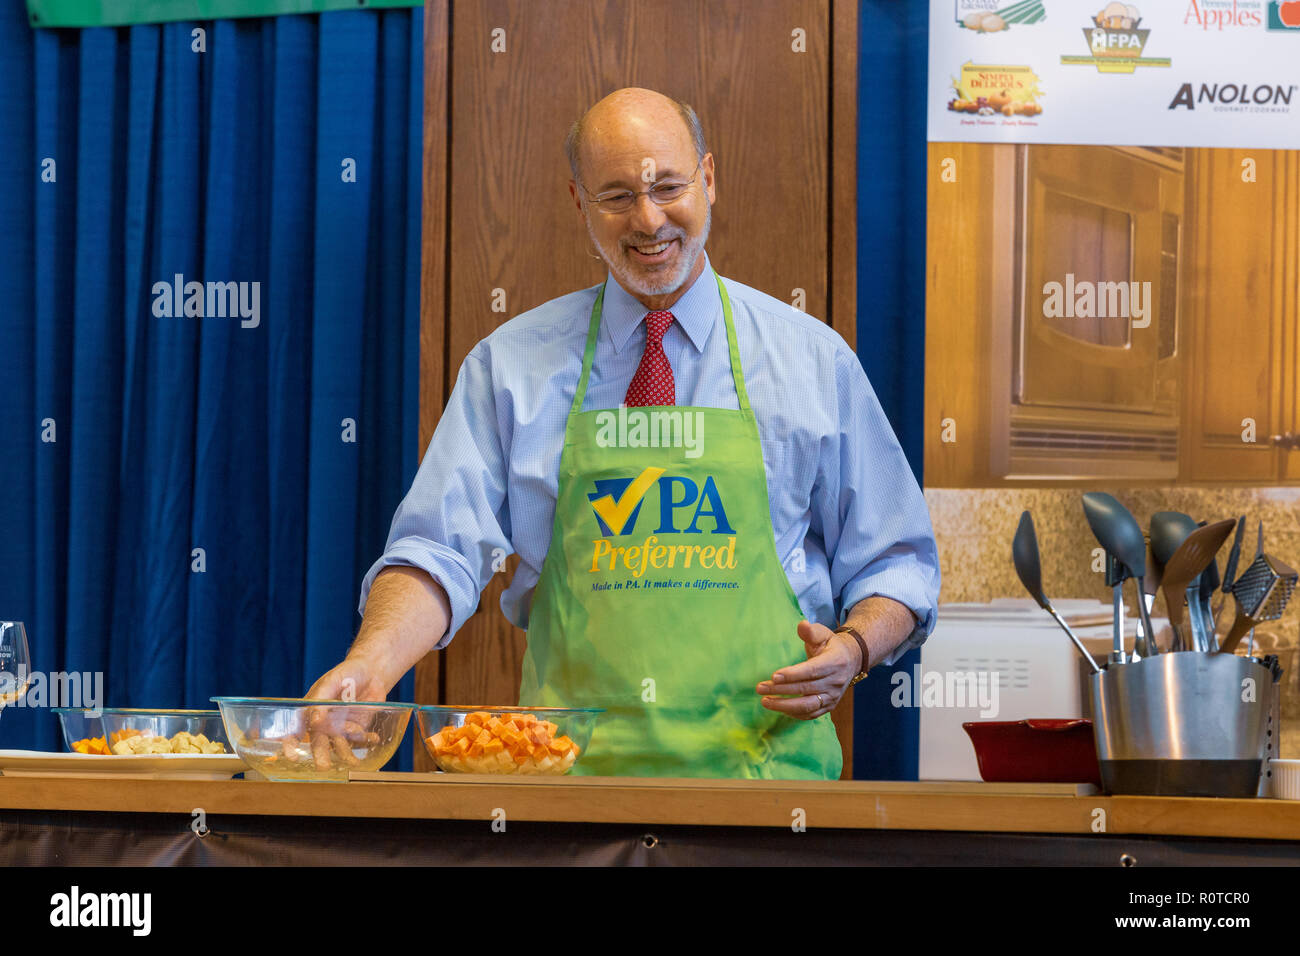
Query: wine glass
{"type": "Point", "coordinates": [15, 663]}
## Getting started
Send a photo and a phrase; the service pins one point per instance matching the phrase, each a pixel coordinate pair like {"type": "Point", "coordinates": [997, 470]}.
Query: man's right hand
{"type": "Point", "coordinates": [406, 615]}
{"type": "Point", "coordinates": [354, 679]}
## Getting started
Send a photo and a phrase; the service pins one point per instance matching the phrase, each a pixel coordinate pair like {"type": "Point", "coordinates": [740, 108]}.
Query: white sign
{"type": "Point", "coordinates": [1154, 73]}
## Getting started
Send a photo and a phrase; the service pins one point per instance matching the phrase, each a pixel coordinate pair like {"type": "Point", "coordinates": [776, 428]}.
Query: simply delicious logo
{"type": "Point", "coordinates": [987, 91]}
{"type": "Point", "coordinates": [617, 503]}
{"type": "Point", "coordinates": [983, 16]}
{"type": "Point", "coordinates": [1284, 16]}
{"type": "Point", "coordinates": [1116, 40]}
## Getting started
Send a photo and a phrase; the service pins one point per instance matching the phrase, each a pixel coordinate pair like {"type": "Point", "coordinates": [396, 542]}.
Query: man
{"type": "Point", "coordinates": [696, 477]}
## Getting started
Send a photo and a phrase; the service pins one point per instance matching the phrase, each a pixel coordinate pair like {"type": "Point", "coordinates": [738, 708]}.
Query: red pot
{"type": "Point", "coordinates": [1035, 751]}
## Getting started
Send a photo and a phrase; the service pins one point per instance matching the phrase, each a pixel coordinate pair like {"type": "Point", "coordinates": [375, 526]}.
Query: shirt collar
{"type": "Point", "coordinates": [696, 311]}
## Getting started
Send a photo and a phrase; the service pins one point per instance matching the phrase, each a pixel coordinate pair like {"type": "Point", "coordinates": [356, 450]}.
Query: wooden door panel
{"type": "Point", "coordinates": [1236, 363]}
{"type": "Point", "coordinates": [1286, 298]}
{"type": "Point", "coordinates": [959, 315]}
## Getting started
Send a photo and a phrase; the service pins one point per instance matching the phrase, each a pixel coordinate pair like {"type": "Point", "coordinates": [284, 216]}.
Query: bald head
{"type": "Point", "coordinates": [626, 120]}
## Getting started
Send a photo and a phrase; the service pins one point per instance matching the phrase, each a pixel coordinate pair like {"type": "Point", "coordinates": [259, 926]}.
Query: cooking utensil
{"type": "Point", "coordinates": [529, 740]}
{"type": "Point", "coordinates": [1169, 529]}
{"type": "Point", "coordinates": [1035, 751]}
{"type": "Point", "coordinates": [1204, 638]}
{"type": "Point", "coordinates": [1024, 554]}
{"type": "Point", "coordinates": [1116, 575]}
{"type": "Point", "coordinates": [1185, 566]}
{"type": "Point", "coordinates": [120, 721]}
{"type": "Point", "coordinates": [78, 724]}
{"type": "Point", "coordinates": [298, 739]}
{"type": "Point", "coordinates": [1270, 694]}
{"type": "Point", "coordinates": [1230, 569]}
{"type": "Point", "coordinates": [1150, 588]}
{"type": "Point", "coordinates": [1176, 725]}
{"type": "Point", "coordinates": [1261, 592]}
{"type": "Point", "coordinates": [1259, 549]}
{"type": "Point", "coordinates": [1207, 584]}
{"type": "Point", "coordinates": [1117, 530]}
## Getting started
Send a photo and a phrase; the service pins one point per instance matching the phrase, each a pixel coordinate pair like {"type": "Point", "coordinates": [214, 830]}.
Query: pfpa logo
{"type": "Point", "coordinates": [1116, 40]}
{"type": "Point", "coordinates": [1284, 16]}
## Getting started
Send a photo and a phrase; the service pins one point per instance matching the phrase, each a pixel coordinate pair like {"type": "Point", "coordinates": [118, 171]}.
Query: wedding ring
{"type": "Point", "coordinates": [820, 703]}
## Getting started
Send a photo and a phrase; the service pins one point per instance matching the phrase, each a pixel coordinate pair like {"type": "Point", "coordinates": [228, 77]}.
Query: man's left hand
{"type": "Point", "coordinates": [813, 687]}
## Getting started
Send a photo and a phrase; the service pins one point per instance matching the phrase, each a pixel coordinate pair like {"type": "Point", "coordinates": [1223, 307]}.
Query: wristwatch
{"type": "Point", "coordinates": [862, 646]}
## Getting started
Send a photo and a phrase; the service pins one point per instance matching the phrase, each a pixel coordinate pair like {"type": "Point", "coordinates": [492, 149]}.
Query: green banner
{"type": "Point", "coordinates": [117, 13]}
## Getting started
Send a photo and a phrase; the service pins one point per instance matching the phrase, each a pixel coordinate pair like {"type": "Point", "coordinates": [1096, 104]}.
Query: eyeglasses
{"type": "Point", "coordinates": [661, 194]}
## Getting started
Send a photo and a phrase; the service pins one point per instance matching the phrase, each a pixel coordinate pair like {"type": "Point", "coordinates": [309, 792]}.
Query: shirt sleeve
{"type": "Point", "coordinates": [454, 523]}
{"type": "Point", "coordinates": [871, 514]}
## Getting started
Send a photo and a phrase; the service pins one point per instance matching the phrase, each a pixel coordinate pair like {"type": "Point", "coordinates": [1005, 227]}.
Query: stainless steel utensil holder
{"type": "Point", "coordinates": [1182, 724]}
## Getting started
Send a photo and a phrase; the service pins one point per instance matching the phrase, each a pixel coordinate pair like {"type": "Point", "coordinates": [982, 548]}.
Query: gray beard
{"type": "Point", "coordinates": [616, 259]}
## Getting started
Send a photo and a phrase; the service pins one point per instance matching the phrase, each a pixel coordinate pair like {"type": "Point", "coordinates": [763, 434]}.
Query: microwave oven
{"type": "Point", "coordinates": [1085, 279]}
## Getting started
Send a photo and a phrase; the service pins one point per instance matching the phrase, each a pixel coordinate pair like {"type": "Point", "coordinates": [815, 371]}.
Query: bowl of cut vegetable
{"type": "Point", "coordinates": [507, 740]}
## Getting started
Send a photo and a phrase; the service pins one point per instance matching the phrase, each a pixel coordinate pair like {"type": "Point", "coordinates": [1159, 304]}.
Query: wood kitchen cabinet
{"type": "Point", "coordinates": [1236, 344]}
{"type": "Point", "coordinates": [1240, 321]}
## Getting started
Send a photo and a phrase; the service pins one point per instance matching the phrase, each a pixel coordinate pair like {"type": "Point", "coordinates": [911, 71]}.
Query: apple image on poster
{"type": "Point", "coordinates": [1289, 12]}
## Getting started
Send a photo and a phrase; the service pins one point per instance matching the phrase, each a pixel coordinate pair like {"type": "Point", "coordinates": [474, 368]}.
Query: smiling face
{"type": "Point", "coordinates": [624, 135]}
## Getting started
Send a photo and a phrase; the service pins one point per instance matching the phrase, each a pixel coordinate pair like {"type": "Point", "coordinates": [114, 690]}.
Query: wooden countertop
{"type": "Point", "coordinates": [1018, 808]}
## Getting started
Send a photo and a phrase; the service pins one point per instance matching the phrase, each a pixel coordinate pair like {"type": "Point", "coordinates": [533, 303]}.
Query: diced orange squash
{"type": "Point", "coordinates": [507, 740]}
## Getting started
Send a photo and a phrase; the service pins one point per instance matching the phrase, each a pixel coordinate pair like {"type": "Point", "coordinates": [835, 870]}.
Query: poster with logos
{"type": "Point", "coordinates": [1215, 73]}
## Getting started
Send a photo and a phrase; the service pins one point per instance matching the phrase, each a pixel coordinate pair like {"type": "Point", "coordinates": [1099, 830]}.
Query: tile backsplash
{"type": "Point", "coordinates": [974, 527]}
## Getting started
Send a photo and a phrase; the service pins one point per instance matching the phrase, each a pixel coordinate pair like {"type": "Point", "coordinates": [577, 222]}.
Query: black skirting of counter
{"type": "Point", "coordinates": [97, 839]}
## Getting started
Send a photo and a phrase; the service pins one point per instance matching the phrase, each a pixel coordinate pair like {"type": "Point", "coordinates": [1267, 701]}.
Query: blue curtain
{"type": "Point", "coordinates": [893, 51]}
{"type": "Point", "coordinates": [279, 445]}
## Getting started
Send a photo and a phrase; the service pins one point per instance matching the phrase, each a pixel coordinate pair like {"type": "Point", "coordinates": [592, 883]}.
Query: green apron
{"type": "Point", "coordinates": [662, 598]}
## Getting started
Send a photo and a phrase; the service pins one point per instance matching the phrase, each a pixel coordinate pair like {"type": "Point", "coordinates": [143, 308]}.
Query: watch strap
{"type": "Point", "coordinates": [862, 646]}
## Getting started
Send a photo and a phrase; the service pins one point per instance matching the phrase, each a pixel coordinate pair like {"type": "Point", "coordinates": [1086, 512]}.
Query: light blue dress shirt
{"type": "Point", "coordinates": [849, 519]}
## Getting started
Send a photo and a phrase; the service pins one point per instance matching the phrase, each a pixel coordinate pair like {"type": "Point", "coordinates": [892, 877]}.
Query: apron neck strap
{"type": "Point", "coordinates": [733, 350]}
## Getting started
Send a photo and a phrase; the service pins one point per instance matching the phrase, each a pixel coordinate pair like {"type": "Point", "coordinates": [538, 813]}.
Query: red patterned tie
{"type": "Point", "coordinates": [653, 382]}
